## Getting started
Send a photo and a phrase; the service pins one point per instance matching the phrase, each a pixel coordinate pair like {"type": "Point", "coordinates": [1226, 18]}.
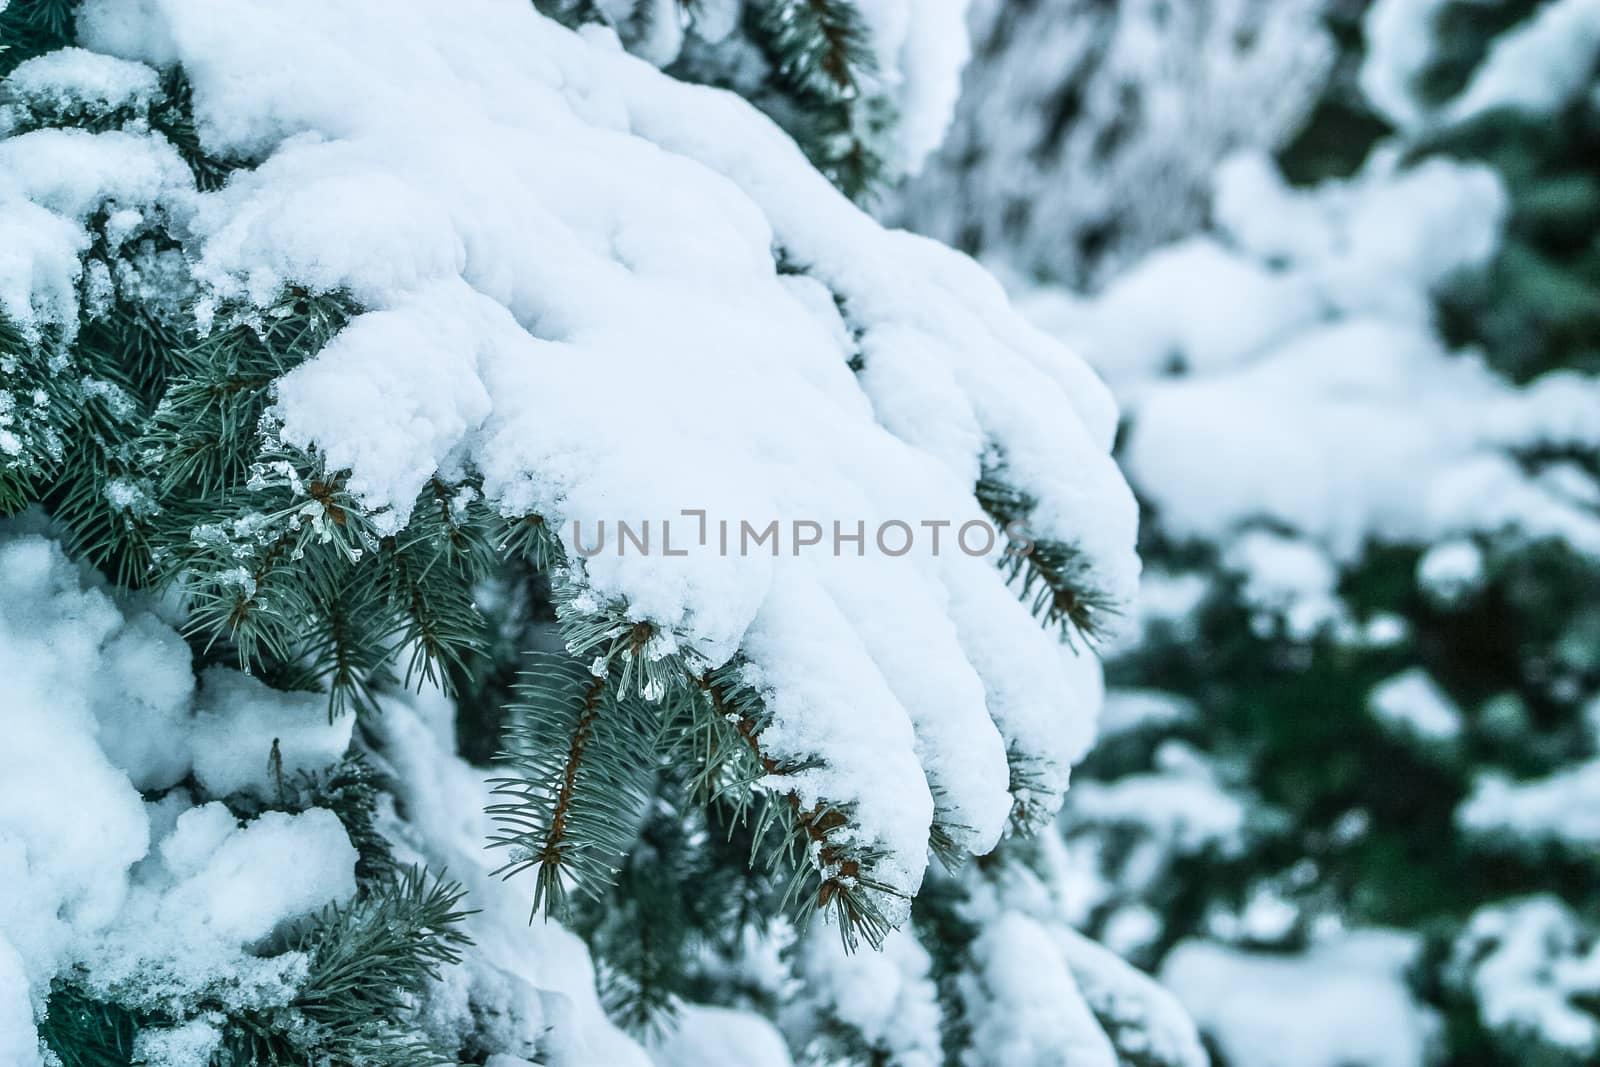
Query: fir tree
{"type": "Point", "coordinates": [663, 786]}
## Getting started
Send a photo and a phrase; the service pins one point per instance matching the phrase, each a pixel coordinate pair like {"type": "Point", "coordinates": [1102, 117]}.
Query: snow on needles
{"type": "Point", "coordinates": [571, 265]}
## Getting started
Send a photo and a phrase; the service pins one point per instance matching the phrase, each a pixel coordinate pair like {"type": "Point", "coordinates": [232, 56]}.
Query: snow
{"type": "Point", "coordinates": [1412, 704]}
{"type": "Point", "coordinates": [1526, 964]}
{"type": "Point", "coordinates": [240, 724]}
{"type": "Point", "coordinates": [1198, 285]}
{"type": "Point", "coordinates": [1538, 66]}
{"type": "Point", "coordinates": [19, 1043]}
{"type": "Point", "coordinates": [76, 79]}
{"type": "Point", "coordinates": [886, 998]}
{"type": "Point", "coordinates": [184, 1046]}
{"type": "Point", "coordinates": [921, 47]}
{"type": "Point", "coordinates": [53, 180]}
{"type": "Point", "coordinates": [64, 873]}
{"type": "Point", "coordinates": [1378, 242]}
{"type": "Point", "coordinates": [1286, 579]}
{"type": "Point", "coordinates": [718, 1037]}
{"type": "Point", "coordinates": [1129, 710]}
{"type": "Point", "coordinates": [1149, 1024]}
{"type": "Point", "coordinates": [292, 864]}
{"type": "Point", "coordinates": [1451, 570]}
{"type": "Point", "coordinates": [1025, 1007]}
{"type": "Point", "coordinates": [39, 266]}
{"type": "Point", "coordinates": [1561, 809]}
{"type": "Point", "coordinates": [74, 172]}
{"type": "Point", "coordinates": [917, 49]}
{"type": "Point", "coordinates": [1344, 1001]}
{"type": "Point", "coordinates": [1181, 805]}
{"type": "Point", "coordinates": [569, 264]}
{"type": "Point", "coordinates": [164, 902]}
{"type": "Point", "coordinates": [1399, 39]}
{"type": "Point", "coordinates": [146, 702]}
{"type": "Point", "coordinates": [1535, 67]}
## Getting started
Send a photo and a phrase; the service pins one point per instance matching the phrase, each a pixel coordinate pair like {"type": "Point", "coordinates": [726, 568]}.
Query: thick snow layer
{"type": "Point", "coordinates": [569, 261]}
{"type": "Point", "coordinates": [1286, 579]}
{"type": "Point", "coordinates": [1181, 805]}
{"type": "Point", "coordinates": [248, 738]}
{"type": "Point", "coordinates": [1400, 42]}
{"type": "Point", "coordinates": [19, 1041]}
{"type": "Point", "coordinates": [76, 79]}
{"type": "Point", "coordinates": [65, 874]}
{"type": "Point", "coordinates": [1342, 1002]}
{"type": "Point", "coordinates": [1451, 570]}
{"type": "Point", "coordinates": [161, 902]}
{"type": "Point", "coordinates": [53, 180]}
{"type": "Point", "coordinates": [1536, 66]}
{"type": "Point", "coordinates": [1129, 710]}
{"type": "Point", "coordinates": [1150, 1024]}
{"type": "Point", "coordinates": [39, 266]}
{"type": "Point", "coordinates": [1025, 1007]}
{"type": "Point", "coordinates": [887, 998]}
{"type": "Point", "coordinates": [1198, 286]}
{"type": "Point", "coordinates": [921, 47]}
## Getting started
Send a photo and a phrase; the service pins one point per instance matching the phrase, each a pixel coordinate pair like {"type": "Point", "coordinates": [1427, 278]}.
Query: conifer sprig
{"type": "Point", "coordinates": [1053, 577]}
{"type": "Point", "coordinates": [833, 102]}
{"type": "Point", "coordinates": [30, 28]}
{"type": "Point", "coordinates": [580, 753]}
{"type": "Point", "coordinates": [85, 1032]}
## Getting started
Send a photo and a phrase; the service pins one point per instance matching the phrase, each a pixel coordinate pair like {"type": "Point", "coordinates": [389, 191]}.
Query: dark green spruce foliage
{"type": "Point", "coordinates": [85, 1032]}
{"type": "Point", "coordinates": [32, 27]}
{"type": "Point", "coordinates": [686, 893]}
{"type": "Point", "coordinates": [825, 93]}
{"type": "Point", "coordinates": [569, 814]}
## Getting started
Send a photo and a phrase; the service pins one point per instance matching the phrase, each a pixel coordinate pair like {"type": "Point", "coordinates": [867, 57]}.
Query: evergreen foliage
{"type": "Point", "coordinates": [32, 27]}
{"type": "Point", "coordinates": [578, 751]}
{"type": "Point", "coordinates": [86, 1032]}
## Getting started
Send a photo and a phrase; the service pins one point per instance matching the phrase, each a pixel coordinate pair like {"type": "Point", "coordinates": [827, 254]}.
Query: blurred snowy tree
{"type": "Point", "coordinates": [1364, 420]}
{"type": "Point", "coordinates": [1087, 131]}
